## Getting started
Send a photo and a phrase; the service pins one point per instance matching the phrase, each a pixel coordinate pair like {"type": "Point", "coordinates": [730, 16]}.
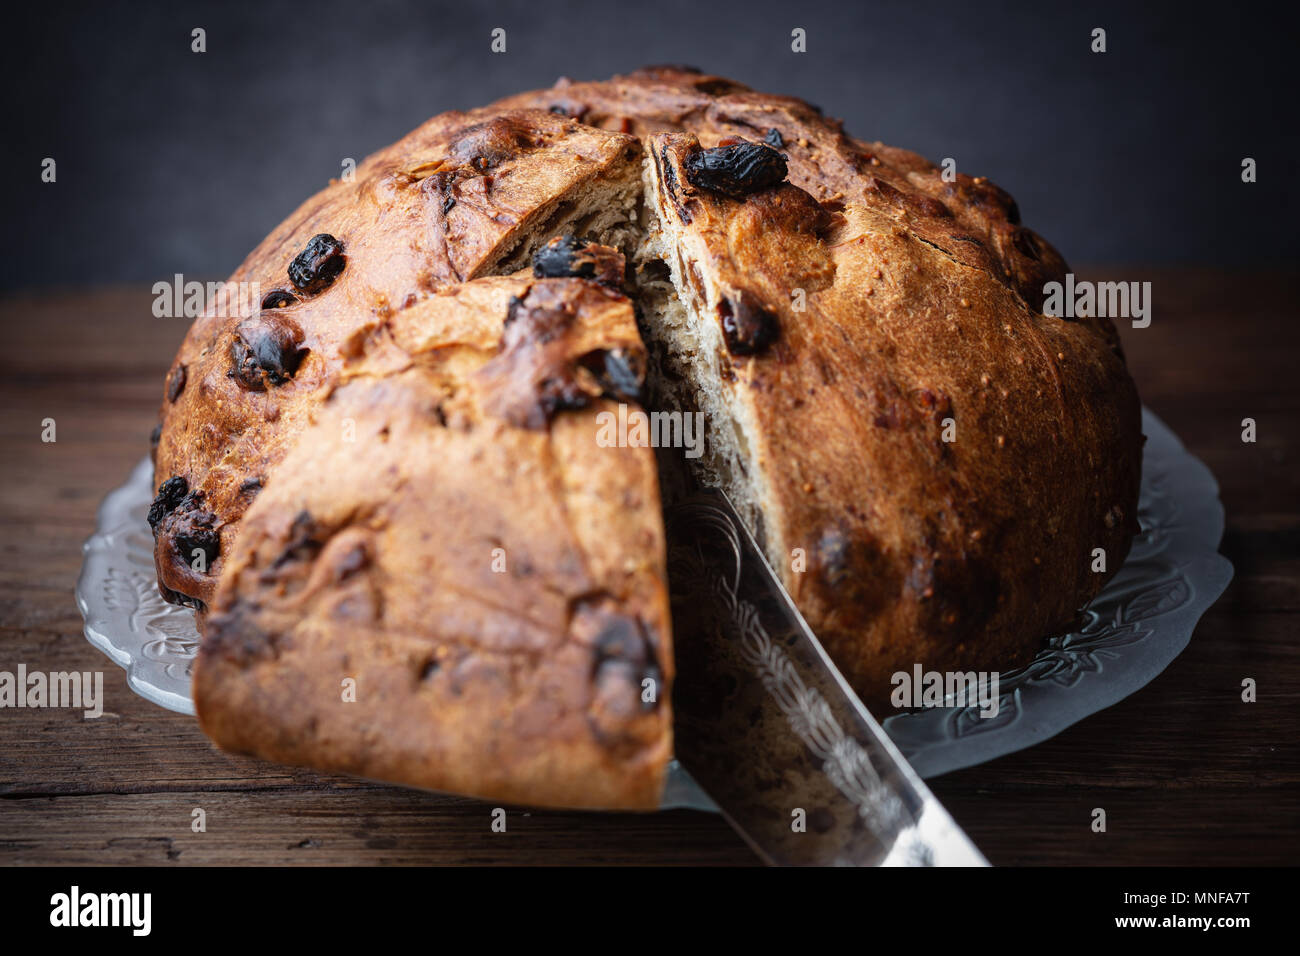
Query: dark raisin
{"type": "Point", "coordinates": [559, 394]}
{"type": "Point", "coordinates": [747, 326]}
{"type": "Point", "coordinates": [567, 256]}
{"type": "Point", "coordinates": [198, 539]}
{"type": "Point", "coordinates": [570, 109]}
{"type": "Point", "coordinates": [619, 640]}
{"type": "Point", "coordinates": [555, 260]}
{"type": "Point", "coordinates": [178, 513]}
{"type": "Point", "coordinates": [623, 652]}
{"type": "Point", "coordinates": [176, 597]}
{"type": "Point", "coordinates": [303, 544]}
{"type": "Point", "coordinates": [774, 138]}
{"type": "Point", "coordinates": [250, 486]}
{"type": "Point", "coordinates": [622, 377]}
{"type": "Point", "coordinates": [736, 170]}
{"type": "Point", "coordinates": [672, 187]}
{"type": "Point", "coordinates": [317, 265]}
{"type": "Point", "coordinates": [170, 494]}
{"type": "Point", "coordinates": [512, 310]}
{"type": "Point", "coordinates": [155, 437]}
{"type": "Point", "coordinates": [618, 374]}
{"type": "Point", "coordinates": [278, 299]}
{"type": "Point", "coordinates": [176, 382]}
{"type": "Point", "coordinates": [267, 349]}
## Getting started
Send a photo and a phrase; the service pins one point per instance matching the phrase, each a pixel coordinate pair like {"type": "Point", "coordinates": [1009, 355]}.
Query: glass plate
{"type": "Point", "coordinates": [1136, 626]}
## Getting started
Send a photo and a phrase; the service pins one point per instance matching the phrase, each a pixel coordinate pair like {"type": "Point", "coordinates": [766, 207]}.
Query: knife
{"type": "Point", "coordinates": [770, 730]}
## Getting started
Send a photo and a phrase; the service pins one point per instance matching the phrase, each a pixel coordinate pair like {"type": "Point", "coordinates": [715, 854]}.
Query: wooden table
{"type": "Point", "coordinates": [1187, 773]}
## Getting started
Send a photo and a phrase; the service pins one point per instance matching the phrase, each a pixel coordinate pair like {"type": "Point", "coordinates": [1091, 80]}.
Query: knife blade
{"type": "Point", "coordinates": [768, 727]}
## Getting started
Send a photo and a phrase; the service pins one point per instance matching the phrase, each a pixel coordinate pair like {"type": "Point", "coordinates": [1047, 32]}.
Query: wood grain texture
{"type": "Point", "coordinates": [1187, 773]}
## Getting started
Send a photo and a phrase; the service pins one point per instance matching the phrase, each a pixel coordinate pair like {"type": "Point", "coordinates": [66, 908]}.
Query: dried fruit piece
{"type": "Point", "coordinates": [170, 494]}
{"type": "Point", "coordinates": [560, 393]}
{"type": "Point", "coordinates": [736, 170]}
{"type": "Point", "coordinates": [304, 543]}
{"type": "Point", "coordinates": [555, 259]}
{"type": "Point", "coordinates": [176, 597]}
{"type": "Point", "coordinates": [619, 373]}
{"type": "Point", "coordinates": [200, 539]}
{"type": "Point", "coordinates": [176, 382]}
{"type": "Point", "coordinates": [747, 327]}
{"type": "Point", "coordinates": [278, 299]}
{"type": "Point", "coordinates": [774, 138]}
{"type": "Point", "coordinates": [178, 512]}
{"type": "Point", "coordinates": [569, 108]}
{"type": "Point", "coordinates": [568, 256]}
{"type": "Point", "coordinates": [318, 264]}
{"type": "Point", "coordinates": [623, 658]}
{"type": "Point", "coordinates": [267, 349]}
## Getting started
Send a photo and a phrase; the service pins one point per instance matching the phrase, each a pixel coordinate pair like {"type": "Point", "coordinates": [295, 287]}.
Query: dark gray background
{"type": "Point", "coordinates": [171, 161]}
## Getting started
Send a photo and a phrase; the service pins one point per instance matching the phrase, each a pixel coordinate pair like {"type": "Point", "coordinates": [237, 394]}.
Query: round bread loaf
{"type": "Point", "coordinates": [928, 460]}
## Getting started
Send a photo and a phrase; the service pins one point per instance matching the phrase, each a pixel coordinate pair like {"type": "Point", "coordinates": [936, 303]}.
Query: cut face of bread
{"type": "Point", "coordinates": [928, 461]}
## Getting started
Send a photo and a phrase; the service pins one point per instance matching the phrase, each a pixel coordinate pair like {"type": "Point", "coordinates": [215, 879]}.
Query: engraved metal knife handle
{"type": "Point", "coordinates": [769, 728]}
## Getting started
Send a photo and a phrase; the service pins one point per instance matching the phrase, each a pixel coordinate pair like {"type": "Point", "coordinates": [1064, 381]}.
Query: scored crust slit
{"type": "Point", "coordinates": [928, 461]}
